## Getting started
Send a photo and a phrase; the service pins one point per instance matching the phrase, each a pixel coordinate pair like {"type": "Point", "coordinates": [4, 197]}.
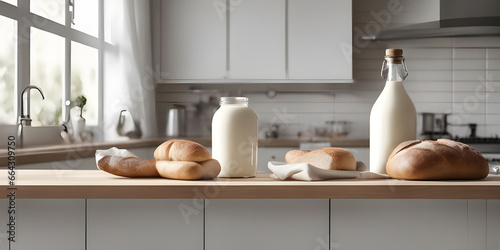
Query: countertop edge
{"type": "Point", "coordinates": [95, 184]}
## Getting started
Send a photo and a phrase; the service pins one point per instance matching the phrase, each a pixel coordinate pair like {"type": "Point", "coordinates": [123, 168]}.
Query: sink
{"type": "Point", "coordinates": [41, 135]}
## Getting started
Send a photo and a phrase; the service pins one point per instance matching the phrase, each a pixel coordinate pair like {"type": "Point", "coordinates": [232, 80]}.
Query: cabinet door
{"type": "Point", "coordinates": [4, 220]}
{"type": "Point", "coordinates": [319, 33]}
{"type": "Point", "coordinates": [144, 224]}
{"type": "Point", "coordinates": [361, 154]}
{"type": "Point", "coordinates": [257, 39]}
{"type": "Point", "coordinates": [493, 224]}
{"type": "Point", "coordinates": [267, 154]}
{"type": "Point", "coordinates": [266, 224]}
{"type": "Point", "coordinates": [193, 39]}
{"type": "Point", "coordinates": [50, 224]}
{"type": "Point", "coordinates": [399, 224]}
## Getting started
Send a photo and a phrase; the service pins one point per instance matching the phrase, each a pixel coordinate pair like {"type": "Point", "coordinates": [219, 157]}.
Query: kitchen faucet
{"type": "Point", "coordinates": [24, 118]}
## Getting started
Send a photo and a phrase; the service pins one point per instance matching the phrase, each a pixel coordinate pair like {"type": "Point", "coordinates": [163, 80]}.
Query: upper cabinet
{"type": "Point", "coordinates": [319, 35]}
{"type": "Point", "coordinates": [258, 41]}
{"type": "Point", "coordinates": [257, 38]}
{"type": "Point", "coordinates": [193, 40]}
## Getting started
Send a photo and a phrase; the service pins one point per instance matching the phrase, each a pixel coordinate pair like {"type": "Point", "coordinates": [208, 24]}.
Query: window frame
{"type": "Point", "coordinates": [25, 20]}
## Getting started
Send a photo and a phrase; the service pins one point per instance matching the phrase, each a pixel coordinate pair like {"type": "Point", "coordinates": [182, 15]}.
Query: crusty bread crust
{"type": "Point", "coordinates": [181, 150]}
{"type": "Point", "coordinates": [326, 158]}
{"type": "Point", "coordinates": [181, 170]}
{"type": "Point", "coordinates": [436, 160]}
{"type": "Point", "coordinates": [128, 166]}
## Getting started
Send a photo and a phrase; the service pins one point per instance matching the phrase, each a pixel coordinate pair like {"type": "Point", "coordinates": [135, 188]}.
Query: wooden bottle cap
{"type": "Point", "coordinates": [393, 52]}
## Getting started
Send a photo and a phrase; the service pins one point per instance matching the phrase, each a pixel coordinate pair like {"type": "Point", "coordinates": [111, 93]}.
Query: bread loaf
{"type": "Point", "coordinates": [128, 166]}
{"type": "Point", "coordinates": [181, 170]}
{"type": "Point", "coordinates": [210, 169]}
{"type": "Point", "coordinates": [175, 159]}
{"type": "Point", "coordinates": [181, 150]}
{"type": "Point", "coordinates": [325, 158]}
{"type": "Point", "coordinates": [436, 160]}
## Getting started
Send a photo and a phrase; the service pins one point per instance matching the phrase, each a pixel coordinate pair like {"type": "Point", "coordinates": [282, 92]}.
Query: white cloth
{"type": "Point", "coordinates": [99, 154]}
{"type": "Point", "coordinates": [308, 172]}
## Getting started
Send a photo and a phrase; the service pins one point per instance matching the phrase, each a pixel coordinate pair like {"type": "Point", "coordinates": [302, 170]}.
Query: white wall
{"type": "Point", "coordinates": [453, 75]}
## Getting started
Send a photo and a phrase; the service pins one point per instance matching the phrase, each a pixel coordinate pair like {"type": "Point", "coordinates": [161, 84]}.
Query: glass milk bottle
{"type": "Point", "coordinates": [235, 138]}
{"type": "Point", "coordinates": [393, 118]}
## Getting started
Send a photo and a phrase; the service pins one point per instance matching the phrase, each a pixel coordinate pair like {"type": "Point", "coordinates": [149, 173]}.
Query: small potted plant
{"type": "Point", "coordinates": [78, 122]}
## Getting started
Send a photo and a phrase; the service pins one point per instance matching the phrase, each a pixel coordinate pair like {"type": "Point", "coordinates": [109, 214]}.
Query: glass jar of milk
{"type": "Point", "coordinates": [393, 118]}
{"type": "Point", "coordinates": [235, 138]}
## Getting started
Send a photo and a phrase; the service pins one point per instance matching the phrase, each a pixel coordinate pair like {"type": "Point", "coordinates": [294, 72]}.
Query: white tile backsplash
{"type": "Point", "coordinates": [493, 53]}
{"type": "Point", "coordinates": [468, 53]}
{"type": "Point", "coordinates": [446, 75]}
{"type": "Point", "coordinates": [493, 64]}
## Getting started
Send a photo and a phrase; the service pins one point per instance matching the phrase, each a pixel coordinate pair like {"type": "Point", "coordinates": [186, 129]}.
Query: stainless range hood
{"type": "Point", "coordinates": [457, 18]}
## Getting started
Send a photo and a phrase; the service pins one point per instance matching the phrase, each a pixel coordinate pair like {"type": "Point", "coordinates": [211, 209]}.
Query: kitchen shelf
{"type": "Point", "coordinates": [96, 184]}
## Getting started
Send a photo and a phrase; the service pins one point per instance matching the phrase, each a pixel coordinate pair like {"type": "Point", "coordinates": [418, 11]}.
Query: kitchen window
{"type": "Point", "coordinates": [56, 45]}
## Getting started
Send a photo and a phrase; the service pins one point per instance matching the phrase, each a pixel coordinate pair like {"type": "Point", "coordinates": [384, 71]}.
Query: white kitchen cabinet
{"type": "Point", "coordinates": [360, 154]}
{"type": "Point", "coordinates": [266, 224]}
{"type": "Point", "coordinates": [257, 40]}
{"type": "Point", "coordinates": [493, 224]}
{"type": "Point", "coordinates": [399, 224]}
{"type": "Point", "coordinates": [144, 224]}
{"type": "Point", "coordinates": [4, 220]}
{"type": "Point", "coordinates": [267, 154]}
{"type": "Point", "coordinates": [50, 224]}
{"type": "Point", "coordinates": [193, 40]}
{"type": "Point", "coordinates": [319, 39]}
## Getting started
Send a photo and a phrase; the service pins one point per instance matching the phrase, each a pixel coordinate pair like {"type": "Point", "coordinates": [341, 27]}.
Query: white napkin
{"type": "Point", "coordinates": [308, 172]}
{"type": "Point", "coordinates": [114, 152]}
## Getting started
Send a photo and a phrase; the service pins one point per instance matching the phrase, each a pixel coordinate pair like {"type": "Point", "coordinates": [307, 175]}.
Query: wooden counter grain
{"type": "Point", "coordinates": [87, 184]}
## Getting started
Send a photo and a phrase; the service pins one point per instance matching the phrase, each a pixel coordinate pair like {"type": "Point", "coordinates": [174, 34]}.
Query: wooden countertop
{"type": "Point", "coordinates": [83, 184]}
{"type": "Point", "coordinates": [85, 150]}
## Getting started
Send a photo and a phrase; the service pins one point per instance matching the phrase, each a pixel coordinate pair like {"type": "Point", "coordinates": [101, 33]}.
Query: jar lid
{"type": "Point", "coordinates": [393, 52]}
{"type": "Point", "coordinates": [233, 100]}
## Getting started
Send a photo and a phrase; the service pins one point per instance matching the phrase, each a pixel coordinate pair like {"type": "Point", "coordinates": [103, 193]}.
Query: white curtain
{"type": "Point", "coordinates": [128, 74]}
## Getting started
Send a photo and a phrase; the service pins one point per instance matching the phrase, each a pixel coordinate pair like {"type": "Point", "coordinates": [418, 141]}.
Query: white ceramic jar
{"type": "Point", "coordinates": [235, 138]}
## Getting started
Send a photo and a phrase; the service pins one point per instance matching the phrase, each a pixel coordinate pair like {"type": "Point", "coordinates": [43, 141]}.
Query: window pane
{"type": "Point", "coordinates": [50, 9]}
{"type": "Point", "coordinates": [8, 41]}
{"type": "Point", "coordinates": [47, 72]}
{"type": "Point", "coordinates": [84, 73]}
{"type": "Point", "coordinates": [86, 16]}
{"type": "Point", "coordinates": [13, 2]}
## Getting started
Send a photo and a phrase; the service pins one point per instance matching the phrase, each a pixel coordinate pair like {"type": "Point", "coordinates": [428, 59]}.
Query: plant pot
{"type": "Point", "coordinates": [78, 123]}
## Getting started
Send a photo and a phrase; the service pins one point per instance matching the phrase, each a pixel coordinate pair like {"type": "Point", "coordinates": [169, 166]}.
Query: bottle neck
{"type": "Point", "coordinates": [394, 69]}
{"type": "Point", "coordinates": [395, 72]}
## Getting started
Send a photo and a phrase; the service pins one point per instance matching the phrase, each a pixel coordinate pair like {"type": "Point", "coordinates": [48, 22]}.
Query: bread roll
{"type": "Point", "coordinates": [436, 160]}
{"type": "Point", "coordinates": [325, 158]}
{"type": "Point", "coordinates": [128, 166]}
{"type": "Point", "coordinates": [210, 169]}
{"type": "Point", "coordinates": [182, 170]}
{"type": "Point", "coordinates": [181, 150]}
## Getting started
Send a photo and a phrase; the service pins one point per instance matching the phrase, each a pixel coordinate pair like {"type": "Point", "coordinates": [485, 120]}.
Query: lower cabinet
{"type": "Point", "coordinates": [493, 224]}
{"type": "Point", "coordinates": [4, 220]}
{"type": "Point", "coordinates": [49, 224]}
{"type": "Point", "coordinates": [266, 224]}
{"type": "Point", "coordinates": [132, 224]}
{"type": "Point", "coordinates": [399, 224]}
{"type": "Point", "coordinates": [123, 224]}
